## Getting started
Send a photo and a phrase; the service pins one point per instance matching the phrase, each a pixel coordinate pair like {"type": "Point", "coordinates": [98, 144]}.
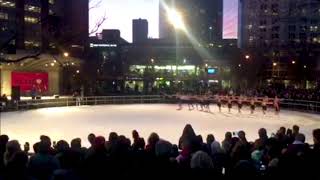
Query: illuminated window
{"type": "Point", "coordinates": [33, 9]}
{"type": "Point", "coordinates": [3, 15]}
{"type": "Point", "coordinates": [31, 44]}
{"type": "Point", "coordinates": [31, 20]}
{"type": "Point", "coordinates": [7, 4]}
{"type": "Point", "coordinates": [313, 28]}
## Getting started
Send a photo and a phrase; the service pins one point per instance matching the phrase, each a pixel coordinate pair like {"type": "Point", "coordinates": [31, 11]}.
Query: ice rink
{"type": "Point", "coordinates": [71, 122]}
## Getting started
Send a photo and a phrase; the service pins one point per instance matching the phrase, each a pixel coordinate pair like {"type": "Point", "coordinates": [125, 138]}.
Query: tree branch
{"type": "Point", "coordinates": [98, 24]}
{"type": "Point", "coordinates": [96, 5]}
{"type": "Point", "coordinates": [34, 56]}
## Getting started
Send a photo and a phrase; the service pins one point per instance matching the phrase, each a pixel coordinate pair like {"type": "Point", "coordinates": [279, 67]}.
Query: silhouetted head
{"type": "Point", "coordinates": [99, 143]}
{"type": "Point", "coordinates": [44, 147]}
{"type": "Point", "coordinates": [300, 137]}
{"type": "Point", "coordinates": [153, 139]}
{"type": "Point", "coordinates": [188, 131]}
{"type": "Point", "coordinates": [76, 143]}
{"type": "Point", "coordinates": [91, 138]}
{"type": "Point", "coordinates": [210, 139]}
{"type": "Point", "coordinates": [316, 136]}
{"type": "Point", "coordinates": [135, 134]}
{"type": "Point", "coordinates": [242, 135]}
{"type": "Point", "coordinates": [3, 141]}
{"type": "Point", "coordinates": [295, 129]}
{"type": "Point", "coordinates": [113, 137]}
{"type": "Point", "coordinates": [44, 138]}
{"type": "Point", "coordinates": [201, 160]}
{"type": "Point", "coordinates": [163, 148]}
{"type": "Point", "coordinates": [282, 130]}
{"type": "Point", "coordinates": [36, 147]}
{"type": "Point", "coordinates": [62, 146]}
{"type": "Point", "coordinates": [228, 136]}
{"type": "Point", "coordinates": [262, 133]}
{"type": "Point", "coordinates": [12, 148]}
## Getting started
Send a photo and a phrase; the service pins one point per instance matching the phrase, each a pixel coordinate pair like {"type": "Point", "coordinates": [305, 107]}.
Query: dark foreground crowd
{"type": "Point", "coordinates": [284, 153]}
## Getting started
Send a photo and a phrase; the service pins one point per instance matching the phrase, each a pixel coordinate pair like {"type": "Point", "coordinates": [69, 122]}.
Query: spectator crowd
{"type": "Point", "coordinates": [283, 153]}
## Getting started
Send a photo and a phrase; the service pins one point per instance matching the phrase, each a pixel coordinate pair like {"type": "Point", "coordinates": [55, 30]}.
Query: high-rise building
{"type": "Point", "coordinates": [286, 33]}
{"type": "Point", "coordinates": [33, 24]}
{"type": "Point", "coordinates": [75, 20]}
{"type": "Point", "coordinates": [202, 19]}
{"type": "Point", "coordinates": [139, 30]}
{"type": "Point", "coordinates": [277, 24]}
{"type": "Point", "coordinates": [23, 22]}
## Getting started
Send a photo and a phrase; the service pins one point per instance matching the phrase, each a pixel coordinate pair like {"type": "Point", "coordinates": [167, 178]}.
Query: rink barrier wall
{"type": "Point", "coordinates": [88, 101]}
{"type": "Point", "coordinates": [297, 105]}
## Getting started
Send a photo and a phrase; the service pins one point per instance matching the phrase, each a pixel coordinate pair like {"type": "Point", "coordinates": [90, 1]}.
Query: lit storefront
{"type": "Point", "coordinates": [45, 76]}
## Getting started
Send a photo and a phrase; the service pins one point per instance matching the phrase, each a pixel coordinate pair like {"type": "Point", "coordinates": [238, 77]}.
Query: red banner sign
{"type": "Point", "coordinates": [30, 82]}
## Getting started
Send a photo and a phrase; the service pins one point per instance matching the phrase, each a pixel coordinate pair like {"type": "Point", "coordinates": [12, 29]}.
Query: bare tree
{"type": "Point", "coordinates": [98, 24]}
{"type": "Point", "coordinates": [94, 5]}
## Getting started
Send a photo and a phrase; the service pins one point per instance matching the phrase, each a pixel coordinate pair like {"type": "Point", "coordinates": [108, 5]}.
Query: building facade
{"type": "Point", "coordinates": [284, 35]}
{"type": "Point", "coordinates": [156, 65]}
{"type": "Point", "coordinates": [139, 30]}
{"type": "Point", "coordinates": [105, 59]}
{"type": "Point", "coordinates": [24, 22]}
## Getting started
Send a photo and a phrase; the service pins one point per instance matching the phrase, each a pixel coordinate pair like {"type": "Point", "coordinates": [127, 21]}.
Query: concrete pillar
{"type": "Point", "coordinates": [54, 82]}
{"type": "Point", "coordinates": [5, 82]}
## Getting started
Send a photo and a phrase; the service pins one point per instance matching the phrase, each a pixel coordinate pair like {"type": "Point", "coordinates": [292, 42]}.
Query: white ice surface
{"type": "Point", "coordinates": [71, 122]}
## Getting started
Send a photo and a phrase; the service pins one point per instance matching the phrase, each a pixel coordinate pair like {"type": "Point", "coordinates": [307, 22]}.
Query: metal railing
{"type": "Point", "coordinates": [297, 105]}
{"type": "Point", "coordinates": [94, 100]}
{"type": "Point", "coordinates": [301, 105]}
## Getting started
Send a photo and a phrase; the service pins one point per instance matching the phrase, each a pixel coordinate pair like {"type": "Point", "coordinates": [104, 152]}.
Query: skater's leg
{"type": "Point", "coordinates": [179, 105]}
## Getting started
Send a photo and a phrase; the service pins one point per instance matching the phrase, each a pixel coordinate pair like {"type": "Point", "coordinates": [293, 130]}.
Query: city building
{"type": "Point", "coordinates": [75, 22]}
{"type": "Point", "coordinates": [159, 65]}
{"type": "Point", "coordinates": [139, 30]}
{"type": "Point", "coordinates": [284, 36]}
{"type": "Point", "coordinates": [105, 59]}
{"type": "Point", "coordinates": [24, 21]}
{"type": "Point", "coordinates": [41, 37]}
{"type": "Point", "coordinates": [155, 65]}
{"type": "Point", "coordinates": [202, 20]}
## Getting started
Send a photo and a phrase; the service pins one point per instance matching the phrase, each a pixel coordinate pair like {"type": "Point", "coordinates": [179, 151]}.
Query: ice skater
{"type": "Point", "coordinates": [206, 102]}
{"type": "Point", "coordinates": [181, 100]}
{"type": "Point", "coordinates": [190, 100]}
{"type": "Point", "coordinates": [264, 104]}
{"type": "Point", "coordinates": [252, 105]}
{"type": "Point", "coordinates": [239, 104]}
{"type": "Point", "coordinates": [78, 98]}
{"type": "Point", "coordinates": [276, 105]}
{"type": "Point", "coordinates": [219, 103]}
{"type": "Point", "coordinates": [229, 101]}
{"type": "Point", "coordinates": [199, 103]}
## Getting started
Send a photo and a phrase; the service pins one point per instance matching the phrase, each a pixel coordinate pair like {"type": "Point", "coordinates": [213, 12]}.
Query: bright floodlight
{"type": "Point", "coordinates": [175, 19]}
{"type": "Point", "coordinates": [66, 54]}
